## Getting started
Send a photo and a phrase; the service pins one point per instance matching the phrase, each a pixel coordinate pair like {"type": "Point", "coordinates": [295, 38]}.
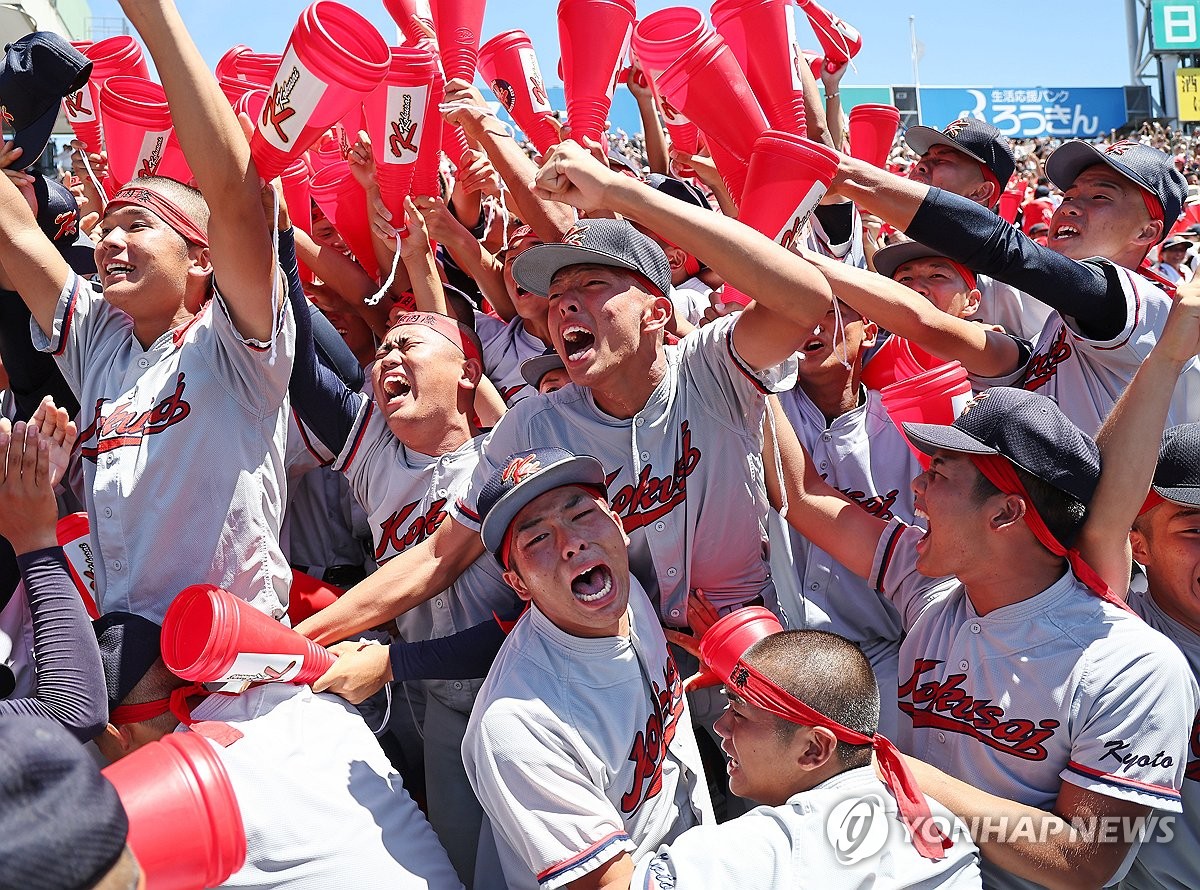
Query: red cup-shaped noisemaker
{"type": "Point", "coordinates": [709, 87]}
{"type": "Point", "coordinates": [227, 65]}
{"type": "Point", "coordinates": [397, 117]}
{"type": "Point", "coordinates": [298, 197]}
{"type": "Point", "coordinates": [414, 18]}
{"type": "Point", "coordinates": [934, 396]}
{"type": "Point", "coordinates": [327, 151]}
{"type": "Point", "coordinates": [211, 636]}
{"type": "Point", "coordinates": [840, 40]}
{"type": "Point", "coordinates": [510, 67]}
{"type": "Point", "coordinates": [137, 126]}
{"type": "Point", "coordinates": [185, 825]}
{"type": "Point", "coordinates": [772, 67]}
{"type": "Point", "coordinates": [457, 23]}
{"type": "Point", "coordinates": [333, 59]}
{"type": "Point", "coordinates": [1010, 203]}
{"type": "Point", "coordinates": [872, 132]}
{"type": "Point", "coordinates": [258, 68]}
{"type": "Point", "coordinates": [344, 203]}
{"type": "Point", "coordinates": [723, 645]}
{"type": "Point", "coordinates": [251, 102]}
{"type": "Point", "coordinates": [815, 62]}
{"type": "Point", "coordinates": [593, 36]}
{"type": "Point", "coordinates": [425, 181]}
{"type": "Point", "coordinates": [113, 57]}
{"type": "Point", "coordinates": [788, 176]}
{"type": "Point", "coordinates": [659, 40]}
{"type": "Point", "coordinates": [308, 596]}
{"type": "Point", "coordinates": [898, 359]}
{"type": "Point", "coordinates": [74, 536]}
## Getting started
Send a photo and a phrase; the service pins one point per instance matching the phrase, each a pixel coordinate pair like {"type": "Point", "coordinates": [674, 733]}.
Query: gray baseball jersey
{"type": "Point", "coordinates": [690, 298]}
{"type": "Point", "coordinates": [863, 455]}
{"type": "Point", "coordinates": [684, 474]}
{"type": "Point", "coordinates": [1086, 376]}
{"type": "Point", "coordinates": [1061, 687]}
{"type": "Point", "coordinates": [813, 841]}
{"type": "Point", "coordinates": [1015, 311]}
{"type": "Point", "coordinates": [1173, 863]}
{"type": "Point", "coordinates": [505, 346]}
{"type": "Point", "coordinates": [183, 451]}
{"type": "Point", "coordinates": [581, 749]}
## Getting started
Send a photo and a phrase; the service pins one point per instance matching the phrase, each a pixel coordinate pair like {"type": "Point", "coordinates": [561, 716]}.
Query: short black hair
{"type": "Point", "coordinates": [829, 674]}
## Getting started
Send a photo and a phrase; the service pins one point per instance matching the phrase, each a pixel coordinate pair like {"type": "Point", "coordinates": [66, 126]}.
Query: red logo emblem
{"type": "Point", "coordinates": [66, 224]}
{"type": "Point", "coordinates": [520, 468]}
{"type": "Point", "coordinates": [277, 109]}
{"type": "Point", "coordinates": [650, 744]}
{"type": "Point", "coordinates": [653, 497]}
{"type": "Point", "coordinates": [123, 426]}
{"type": "Point", "coordinates": [391, 534]}
{"type": "Point", "coordinates": [1043, 367]}
{"type": "Point", "coordinates": [575, 236]}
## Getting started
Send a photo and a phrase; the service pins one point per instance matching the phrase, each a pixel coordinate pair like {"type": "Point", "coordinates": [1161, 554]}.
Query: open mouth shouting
{"type": "Point", "coordinates": [813, 346]}
{"type": "Point", "coordinates": [578, 342]}
{"type": "Point", "coordinates": [592, 585]}
{"type": "Point", "coordinates": [114, 272]}
{"type": "Point", "coordinates": [396, 386]}
{"type": "Point", "coordinates": [1065, 232]}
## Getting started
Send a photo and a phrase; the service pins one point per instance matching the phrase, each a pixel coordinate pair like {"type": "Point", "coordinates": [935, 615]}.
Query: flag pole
{"type": "Point", "coordinates": [912, 33]}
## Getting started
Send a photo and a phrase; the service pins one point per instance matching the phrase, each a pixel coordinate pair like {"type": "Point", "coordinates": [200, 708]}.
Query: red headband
{"type": "Point", "coordinates": [927, 836]}
{"type": "Point", "coordinates": [458, 334]}
{"type": "Point", "coordinates": [1153, 205]}
{"type": "Point", "coordinates": [967, 275]}
{"type": "Point", "coordinates": [164, 208]}
{"type": "Point", "coordinates": [1000, 472]}
{"type": "Point", "coordinates": [176, 703]}
{"type": "Point", "coordinates": [1153, 499]}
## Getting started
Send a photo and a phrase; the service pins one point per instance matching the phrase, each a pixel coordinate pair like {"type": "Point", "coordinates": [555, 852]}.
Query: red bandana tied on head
{"type": "Point", "coordinates": [1000, 472]}
{"type": "Point", "coordinates": [452, 330]}
{"type": "Point", "coordinates": [221, 733]}
{"type": "Point", "coordinates": [927, 836]}
{"type": "Point", "coordinates": [164, 208]}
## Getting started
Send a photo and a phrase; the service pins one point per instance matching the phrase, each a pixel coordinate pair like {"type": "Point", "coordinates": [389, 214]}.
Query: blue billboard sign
{"type": "Point", "coordinates": [1085, 112]}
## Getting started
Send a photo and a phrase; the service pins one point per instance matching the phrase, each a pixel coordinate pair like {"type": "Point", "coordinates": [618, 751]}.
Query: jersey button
{"type": "Point", "coordinates": [659, 526]}
{"type": "Point", "coordinates": [942, 737]}
{"type": "Point", "coordinates": [116, 565]}
{"type": "Point", "coordinates": [645, 455]}
{"type": "Point", "coordinates": [674, 613]}
{"type": "Point", "coordinates": [962, 665]}
{"type": "Point", "coordinates": [641, 421]}
{"type": "Point", "coordinates": [824, 464]}
{"type": "Point", "coordinates": [143, 363]}
{"type": "Point", "coordinates": [672, 572]}
{"type": "Point", "coordinates": [827, 437]}
{"type": "Point", "coordinates": [458, 684]}
{"type": "Point", "coordinates": [974, 628]}
{"type": "Point", "coordinates": [438, 603]}
{"type": "Point", "coordinates": [814, 586]}
{"type": "Point", "coordinates": [108, 512]}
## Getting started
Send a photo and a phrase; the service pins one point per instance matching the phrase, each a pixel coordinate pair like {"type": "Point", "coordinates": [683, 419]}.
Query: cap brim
{"type": "Point", "coordinates": [33, 138]}
{"type": "Point", "coordinates": [929, 437]}
{"type": "Point", "coordinates": [1071, 158]}
{"type": "Point", "coordinates": [888, 259]}
{"type": "Point", "coordinates": [921, 139]}
{"type": "Point", "coordinates": [1185, 495]}
{"type": "Point", "coordinates": [534, 369]}
{"type": "Point", "coordinates": [579, 470]}
{"type": "Point", "coordinates": [536, 267]}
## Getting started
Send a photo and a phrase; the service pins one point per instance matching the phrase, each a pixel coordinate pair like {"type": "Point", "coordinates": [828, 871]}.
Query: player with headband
{"type": "Point", "coordinates": [180, 358]}
{"type": "Point", "coordinates": [1021, 672]}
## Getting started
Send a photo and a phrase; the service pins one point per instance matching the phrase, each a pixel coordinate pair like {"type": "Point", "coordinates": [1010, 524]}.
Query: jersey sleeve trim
{"type": "Point", "coordinates": [68, 314]}
{"type": "Point", "coordinates": [741, 365]}
{"type": "Point", "coordinates": [321, 458]}
{"type": "Point", "coordinates": [1165, 792]}
{"type": "Point", "coordinates": [580, 858]}
{"type": "Point", "coordinates": [1133, 323]}
{"type": "Point", "coordinates": [352, 445]}
{"type": "Point", "coordinates": [466, 511]}
{"type": "Point", "coordinates": [889, 550]}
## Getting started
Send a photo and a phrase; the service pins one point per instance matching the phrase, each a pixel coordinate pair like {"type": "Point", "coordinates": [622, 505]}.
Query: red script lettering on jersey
{"type": "Point", "coordinates": [123, 426]}
{"type": "Point", "coordinates": [654, 497]}
{"type": "Point", "coordinates": [944, 705]}
{"type": "Point", "coordinates": [650, 744]}
{"type": "Point", "coordinates": [420, 529]}
{"type": "Point", "coordinates": [1042, 368]}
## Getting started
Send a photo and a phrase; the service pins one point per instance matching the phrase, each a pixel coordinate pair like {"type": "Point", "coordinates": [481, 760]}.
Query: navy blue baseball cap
{"type": "Point", "coordinates": [1025, 427]}
{"type": "Point", "coordinates": [975, 138]}
{"type": "Point", "coordinates": [129, 646]}
{"type": "Point", "coordinates": [62, 826]}
{"type": "Point", "coordinates": [525, 476]}
{"type": "Point", "coordinates": [599, 242]}
{"type": "Point", "coordinates": [1148, 168]}
{"type": "Point", "coordinates": [36, 73]}
{"type": "Point", "coordinates": [1177, 476]}
{"type": "Point", "coordinates": [536, 367]}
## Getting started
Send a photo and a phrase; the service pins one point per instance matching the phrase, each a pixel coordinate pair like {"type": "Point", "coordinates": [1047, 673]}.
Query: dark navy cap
{"type": "Point", "coordinates": [600, 242]}
{"type": "Point", "coordinates": [36, 73]}
{"type": "Point", "coordinates": [129, 647]}
{"type": "Point", "coordinates": [533, 369]}
{"type": "Point", "coordinates": [1177, 476]}
{"type": "Point", "coordinates": [1146, 167]}
{"type": "Point", "coordinates": [975, 138]}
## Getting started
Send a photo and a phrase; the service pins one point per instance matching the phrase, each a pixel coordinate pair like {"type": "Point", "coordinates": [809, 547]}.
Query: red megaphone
{"type": "Point", "coordinates": [413, 17]}
{"type": "Point", "coordinates": [593, 36]}
{"type": "Point", "coordinates": [723, 644]}
{"type": "Point", "coordinates": [510, 66]}
{"type": "Point", "coordinates": [840, 40]}
{"type": "Point", "coordinates": [872, 132]}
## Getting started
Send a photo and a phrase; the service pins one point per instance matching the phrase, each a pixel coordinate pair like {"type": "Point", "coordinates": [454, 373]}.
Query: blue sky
{"type": "Point", "coordinates": [1015, 44]}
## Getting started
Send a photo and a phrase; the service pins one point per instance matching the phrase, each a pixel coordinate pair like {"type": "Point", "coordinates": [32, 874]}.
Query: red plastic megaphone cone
{"type": "Point", "coordinates": [728, 639]}
{"type": "Point", "coordinates": [74, 536]}
{"type": "Point", "coordinates": [594, 38]}
{"type": "Point", "coordinates": [185, 825]}
{"type": "Point", "coordinates": [788, 176]}
{"type": "Point", "coordinates": [898, 359]}
{"type": "Point", "coordinates": [113, 57]}
{"type": "Point", "coordinates": [309, 595]}
{"type": "Point", "coordinates": [510, 66]}
{"type": "Point", "coordinates": [397, 114]}
{"type": "Point", "coordinates": [137, 125]}
{"type": "Point", "coordinates": [840, 40]}
{"type": "Point", "coordinates": [211, 636]}
{"type": "Point", "coordinates": [934, 396]}
{"type": "Point", "coordinates": [425, 180]}
{"type": "Point", "coordinates": [872, 132]}
{"type": "Point", "coordinates": [257, 68]}
{"type": "Point", "coordinates": [1010, 203]}
{"type": "Point", "coordinates": [344, 204]}
{"type": "Point", "coordinates": [333, 59]}
{"type": "Point", "coordinates": [773, 67]}
{"type": "Point", "coordinates": [413, 17]}
{"type": "Point", "coordinates": [298, 196]}
{"type": "Point", "coordinates": [458, 23]}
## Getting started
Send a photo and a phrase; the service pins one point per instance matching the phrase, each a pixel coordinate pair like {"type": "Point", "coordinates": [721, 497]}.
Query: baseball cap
{"type": "Point", "coordinates": [975, 138]}
{"type": "Point", "coordinates": [525, 476]}
{"type": "Point", "coordinates": [1025, 427]}
{"type": "Point", "coordinates": [1177, 476]}
{"type": "Point", "coordinates": [62, 825]}
{"type": "Point", "coordinates": [888, 259]}
{"type": "Point", "coordinates": [1192, 230]}
{"type": "Point", "coordinates": [57, 210]}
{"type": "Point", "coordinates": [677, 188]}
{"type": "Point", "coordinates": [129, 647]}
{"type": "Point", "coordinates": [1150, 169]}
{"type": "Point", "coordinates": [621, 160]}
{"type": "Point", "coordinates": [1175, 241]}
{"type": "Point", "coordinates": [36, 73]}
{"type": "Point", "coordinates": [601, 242]}
{"type": "Point", "coordinates": [535, 368]}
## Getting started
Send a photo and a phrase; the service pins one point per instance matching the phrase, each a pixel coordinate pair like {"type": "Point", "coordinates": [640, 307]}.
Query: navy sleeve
{"type": "Point", "coordinates": [982, 241]}
{"type": "Point", "coordinates": [837, 220]}
{"type": "Point", "coordinates": [70, 678]}
{"type": "Point", "coordinates": [466, 655]}
{"type": "Point", "coordinates": [32, 375]}
{"type": "Point", "coordinates": [321, 398]}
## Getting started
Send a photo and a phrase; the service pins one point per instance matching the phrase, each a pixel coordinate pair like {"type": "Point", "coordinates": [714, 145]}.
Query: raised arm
{"type": "Point", "coordinates": [219, 156]}
{"type": "Point", "coordinates": [905, 312]}
{"type": "Point", "coordinates": [790, 295]}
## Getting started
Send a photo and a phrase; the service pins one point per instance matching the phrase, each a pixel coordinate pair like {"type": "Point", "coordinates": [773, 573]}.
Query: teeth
{"type": "Point", "coordinates": [1066, 230]}
{"type": "Point", "coordinates": [599, 594]}
{"type": "Point", "coordinates": [118, 269]}
{"type": "Point", "coordinates": [574, 332]}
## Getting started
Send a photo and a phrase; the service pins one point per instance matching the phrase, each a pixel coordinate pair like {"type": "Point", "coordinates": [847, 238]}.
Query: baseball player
{"type": "Point", "coordinates": [580, 745]}
{"type": "Point", "coordinates": [800, 732]}
{"type": "Point", "coordinates": [970, 157]}
{"type": "Point", "coordinates": [177, 380]}
{"type": "Point", "coordinates": [858, 450]}
{"type": "Point", "coordinates": [1118, 203]}
{"type": "Point", "coordinates": [546, 373]}
{"type": "Point", "coordinates": [321, 804]}
{"type": "Point", "coordinates": [1025, 683]}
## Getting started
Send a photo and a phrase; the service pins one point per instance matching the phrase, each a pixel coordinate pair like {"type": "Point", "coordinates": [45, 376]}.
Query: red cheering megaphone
{"type": "Point", "coordinates": [840, 40]}
{"type": "Point", "coordinates": [594, 38]}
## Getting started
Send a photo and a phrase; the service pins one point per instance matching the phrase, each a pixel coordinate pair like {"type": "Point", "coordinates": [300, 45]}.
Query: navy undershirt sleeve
{"type": "Point", "coordinates": [982, 241]}
{"type": "Point", "coordinates": [466, 655]}
{"type": "Point", "coordinates": [70, 678]}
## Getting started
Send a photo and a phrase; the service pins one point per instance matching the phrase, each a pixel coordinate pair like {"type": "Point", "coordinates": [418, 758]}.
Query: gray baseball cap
{"type": "Point", "coordinates": [600, 242]}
